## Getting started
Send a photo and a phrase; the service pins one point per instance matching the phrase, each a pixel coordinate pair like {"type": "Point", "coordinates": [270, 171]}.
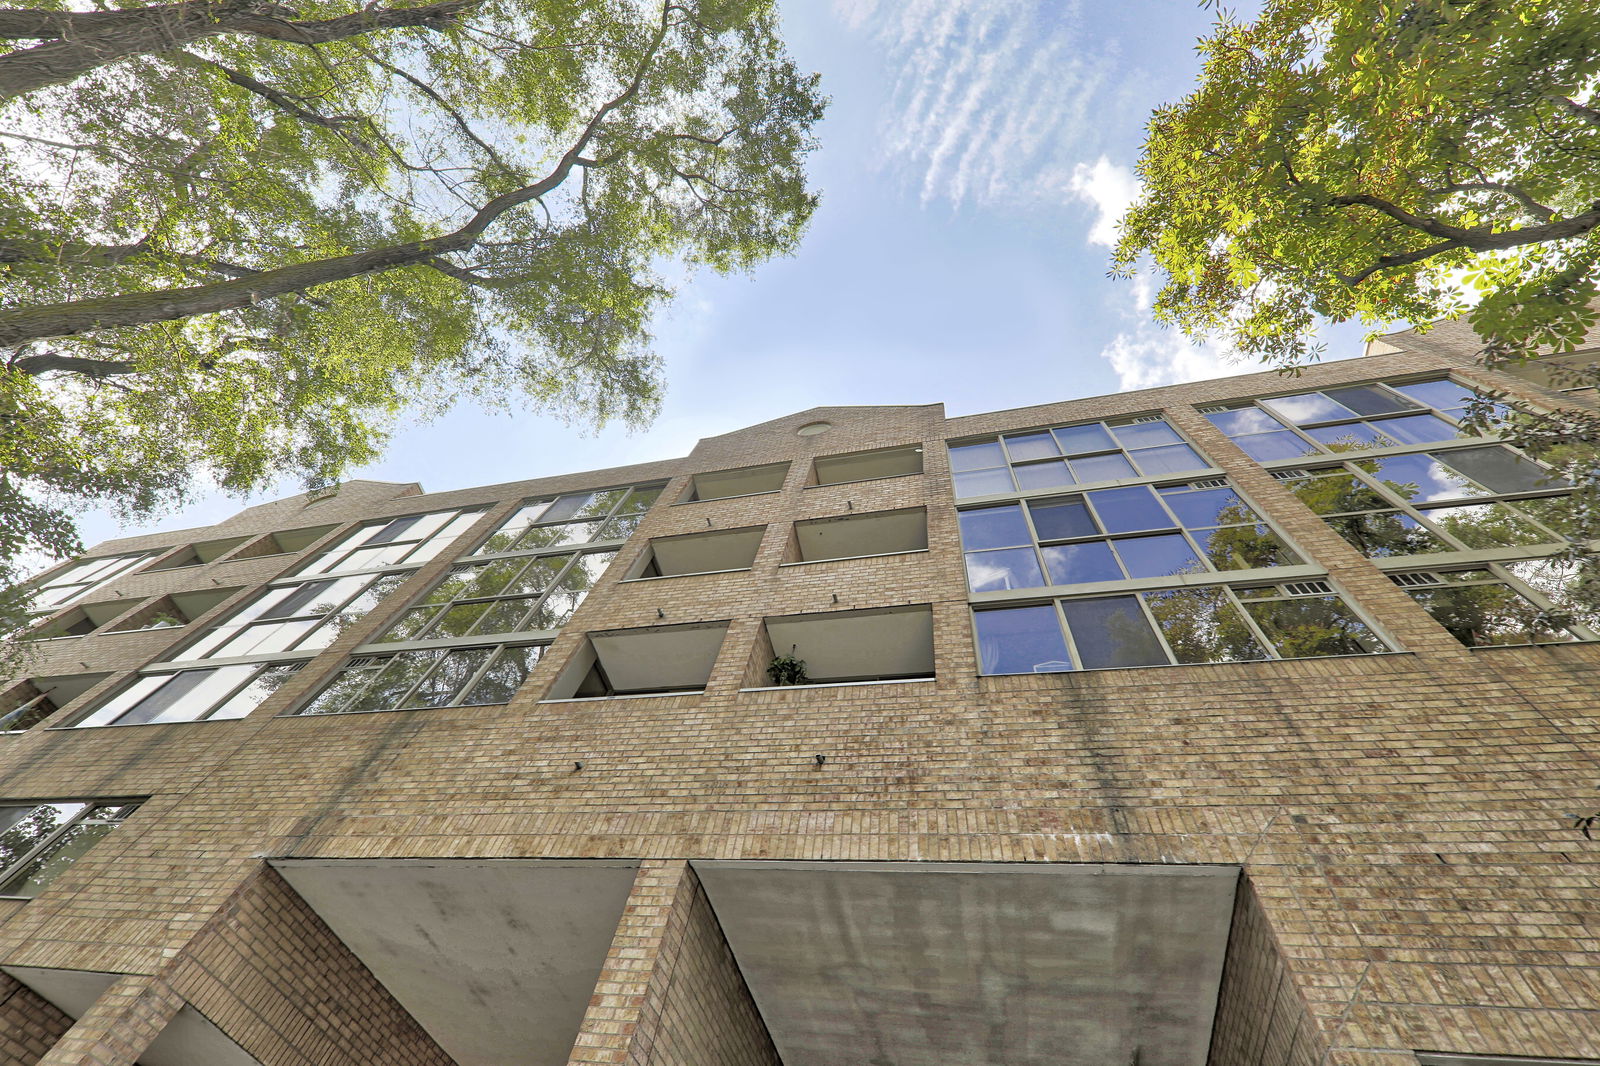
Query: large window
{"type": "Point", "coordinates": [1172, 627]}
{"type": "Point", "coordinates": [85, 577]}
{"type": "Point", "coordinates": [1116, 534]}
{"type": "Point", "coordinates": [410, 540]}
{"type": "Point", "coordinates": [574, 518]}
{"type": "Point", "coordinates": [1347, 418]}
{"type": "Point", "coordinates": [40, 841]}
{"type": "Point", "coordinates": [431, 677]}
{"type": "Point", "coordinates": [1070, 455]}
{"type": "Point", "coordinates": [211, 694]}
{"type": "Point", "coordinates": [1520, 602]}
{"type": "Point", "coordinates": [301, 616]}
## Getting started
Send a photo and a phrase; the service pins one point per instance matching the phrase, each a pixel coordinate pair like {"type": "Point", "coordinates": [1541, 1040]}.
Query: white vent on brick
{"type": "Point", "coordinates": [1306, 588]}
{"type": "Point", "coordinates": [1214, 409]}
{"type": "Point", "coordinates": [1143, 418]}
{"type": "Point", "coordinates": [456, 571]}
{"type": "Point", "coordinates": [1290, 475]}
{"type": "Point", "coordinates": [363, 662]}
{"type": "Point", "coordinates": [1211, 483]}
{"type": "Point", "coordinates": [1421, 577]}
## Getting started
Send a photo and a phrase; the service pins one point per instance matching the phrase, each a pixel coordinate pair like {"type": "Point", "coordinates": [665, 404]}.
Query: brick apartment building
{"type": "Point", "coordinates": [1235, 723]}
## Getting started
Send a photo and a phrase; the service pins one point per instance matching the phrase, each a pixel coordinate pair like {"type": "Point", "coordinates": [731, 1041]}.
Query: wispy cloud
{"type": "Point", "coordinates": [991, 101]}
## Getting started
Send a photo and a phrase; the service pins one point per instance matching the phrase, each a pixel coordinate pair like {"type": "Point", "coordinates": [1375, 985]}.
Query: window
{"type": "Point", "coordinates": [412, 540]}
{"type": "Point", "coordinates": [301, 616]}
{"type": "Point", "coordinates": [877, 644]}
{"type": "Point", "coordinates": [864, 466]}
{"type": "Point", "coordinates": [1176, 626]}
{"type": "Point", "coordinates": [1071, 455]}
{"type": "Point", "coordinates": [700, 553]}
{"type": "Point", "coordinates": [744, 481]}
{"type": "Point", "coordinates": [655, 659]}
{"type": "Point", "coordinates": [1116, 534]}
{"type": "Point", "coordinates": [178, 609]}
{"type": "Point", "coordinates": [192, 695]}
{"type": "Point", "coordinates": [85, 577]}
{"type": "Point", "coordinates": [201, 552]}
{"type": "Point", "coordinates": [41, 841]}
{"type": "Point", "coordinates": [854, 536]}
{"type": "Point", "coordinates": [29, 702]}
{"type": "Point", "coordinates": [1517, 603]}
{"type": "Point", "coordinates": [432, 677]}
{"type": "Point", "coordinates": [531, 573]}
{"type": "Point", "coordinates": [1348, 418]}
{"type": "Point", "coordinates": [1460, 499]}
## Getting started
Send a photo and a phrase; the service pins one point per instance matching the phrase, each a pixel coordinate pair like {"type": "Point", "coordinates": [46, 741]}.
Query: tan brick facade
{"type": "Point", "coordinates": [1410, 878]}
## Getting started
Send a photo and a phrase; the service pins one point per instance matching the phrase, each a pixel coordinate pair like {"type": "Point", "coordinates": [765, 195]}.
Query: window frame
{"type": "Point", "coordinates": [1109, 426]}
{"type": "Point", "coordinates": [355, 662]}
{"type": "Point", "coordinates": [84, 817]}
{"type": "Point", "coordinates": [80, 720]}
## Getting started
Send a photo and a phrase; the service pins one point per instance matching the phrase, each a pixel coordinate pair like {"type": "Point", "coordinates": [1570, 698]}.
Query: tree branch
{"type": "Point", "coordinates": [1532, 206]}
{"type": "Point", "coordinates": [1581, 111]}
{"type": "Point", "coordinates": [46, 362]}
{"type": "Point", "coordinates": [286, 103]}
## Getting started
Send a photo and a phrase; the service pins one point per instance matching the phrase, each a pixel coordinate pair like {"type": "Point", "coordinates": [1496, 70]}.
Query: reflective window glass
{"type": "Point", "coordinates": [1370, 399]}
{"type": "Point", "coordinates": [1008, 568]}
{"type": "Point", "coordinates": [1032, 446]}
{"type": "Point", "coordinates": [1385, 534]}
{"type": "Point", "coordinates": [1146, 435]}
{"type": "Point", "coordinates": [1163, 555]}
{"type": "Point", "coordinates": [1207, 506]}
{"type": "Point", "coordinates": [1130, 509]}
{"type": "Point", "coordinates": [1480, 611]}
{"type": "Point", "coordinates": [1421, 478]}
{"type": "Point", "coordinates": [1021, 640]}
{"type": "Point", "coordinates": [1062, 518]}
{"type": "Point", "coordinates": [1112, 632]}
{"type": "Point", "coordinates": [1079, 440]}
{"type": "Point", "coordinates": [976, 456]}
{"type": "Point", "coordinates": [1312, 626]}
{"type": "Point", "coordinates": [1350, 437]}
{"type": "Point", "coordinates": [1265, 447]}
{"type": "Point", "coordinates": [1500, 469]}
{"type": "Point", "coordinates": [1419, 429]}
{"type": "Point", "coordinates": [1243, 547]}
{"type": "Point", "coordinates": [1111, 467]}
{"type": "Point", "coordinates": [1076, 564]}
{"type": "Point", "coordinates": [1307, 407]}
{"type": "Point", "coordinates": [1049, 475]}
{"type": "Point", "coordinates": [994, 527]}
{"type": "Point", "coordinates": [1202, 626]}
{"type": "Point", "coordinates": [1244, 420]}
{"type": "Point", "coordinates": [1441, 394]}
{"type": "Point", "coordinates": [983, 482]}
{"type": "Point", "coordinates": [1170, 459]}
{"type": "Point", "coordinates": [1486, 525]}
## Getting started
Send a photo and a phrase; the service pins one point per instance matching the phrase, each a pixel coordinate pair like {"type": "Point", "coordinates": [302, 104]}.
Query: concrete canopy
{"type": "Point", "coordinates": [930, 964]}
{"type": "Point", "coordinates": [495, 958]}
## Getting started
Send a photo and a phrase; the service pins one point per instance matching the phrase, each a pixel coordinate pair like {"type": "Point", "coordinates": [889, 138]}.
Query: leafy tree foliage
{"type": "Point", "coordinates": [1389, 161]}
{"type": "Point", "coordinates": [240, 236]}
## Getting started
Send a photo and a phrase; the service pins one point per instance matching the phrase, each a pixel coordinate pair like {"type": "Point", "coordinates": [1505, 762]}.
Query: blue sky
{"type": "Point", "coordinates": [973, 159]}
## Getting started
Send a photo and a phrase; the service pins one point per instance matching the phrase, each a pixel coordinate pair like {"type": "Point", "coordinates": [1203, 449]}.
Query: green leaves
{"type": "Point", "coordinates": [279, 245]}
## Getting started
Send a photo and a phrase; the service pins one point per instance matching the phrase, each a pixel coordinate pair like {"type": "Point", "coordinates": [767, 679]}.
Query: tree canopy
{"type": "Point", "coordinates": [239, 237]}
{"type": "Point", "coordinates": [1376, 161]}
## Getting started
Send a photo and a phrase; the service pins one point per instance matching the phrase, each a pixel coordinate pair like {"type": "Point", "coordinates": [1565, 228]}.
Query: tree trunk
{"type": "Point", "coordinates": [80, 42]}
{"type": "Point", "coordinates": [141, 308]}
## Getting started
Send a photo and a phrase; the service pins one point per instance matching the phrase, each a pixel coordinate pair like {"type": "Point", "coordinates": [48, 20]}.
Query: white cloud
{"type": "Point", "coordinates": [1148, 356]}
{"type": "Point", "coordinates": [989, 98]}
{"type": "Point", "coordinates": [1108, 187]}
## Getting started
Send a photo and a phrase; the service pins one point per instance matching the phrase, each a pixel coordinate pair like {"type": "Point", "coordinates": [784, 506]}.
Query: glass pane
{"type": "Point", "coordinates": [163, 696]}
{"type": "Point", "coordinates": [1130, 509]}
{"type": "Point", "coordinates": [336, 696]}
{"type": "Point", "coordinates": [1021, 640]}
{"type": "Point", "coordinates": [620, 527]}
{"type": "Point", "coordinates": [1486, 525]}
{"type": "Point", "coordinates": [555, 536]}
{"type": "Point", "coordinates": [1349, 437]}
{"type": "Point", "coordinates": [458, 620]}
{"type": "Point", "coordinates": [197, 703]}
{"type": "Point", "coordinates": [1500, 469]}
{"type": "Point", "coordinates": [1172, 459]}
{"type": "Point", "coordinates": [1063, 518]}
{"type": "Point", "coordinates": [976, 456]}
{"type": "Point", "coordinates": [994, 527]}
{"type": "Point", "coordinates": [1202, 626]}
{"type": "Point", "coordinates": [540, 575]}
{"type": "Point", "coordinates": [1556, 580]}
{"type": "Point", "coordinates": [1386, 534]}
{"type": "Point", "coordinates": [1243, 548]}
{"type": "Point", "coordinates": [1207, 507]}
{"type": "Point", "coordinates": [1032, 446]}
{"type": "Point", "coordinates": [504, 676]}
{"type": "Point", "coordinates": [1050, 475]}
{"type": "Point", "coordinates": [55, 860]}
{"type": "Point", "coordinates": [1076, 440]}
{"type": "Point", "coordinates": [1112, 632]}
{"type": "Point", "coordinates": [1418, 429]}
{"type": "Point", "coordinates": [1159, 556]}
{"type": "Point", "coordinates": [558, 605]}
{"type": "Point", "coordinates": [1337, 493]}
{"type": "Point", "coordinates": [268, 681]}
{"type": "Point", "coordinates": [983, 482]}
{"type": "Point", "coordinates": [1076, 564]}
{"type": "Point", "coordinates": [1111, 467]}
{"type": "Point", "coordinates": [1265, 447]}
{"type": "Point", "coordinates": [1146, 435]}
{"type": "Point", "coordinates": [455, 669]}
{"type": "Point", "coordinates": [1307, 407]}
{"type": "Point", "coordinates": [394, 680]}
{"type": "Point", "coordinates": [490, 579]}
{"type": "Point", "coordinates": [1421, 478]}
{"type": "Point", "coordinates": [601, 504]}
{"type": "Point", "coordinates": [1488, 613]}
{"type": "Point", "coordinates": [392, 531]}
{"type": "Point", "coordinates": [1244, 420]}
{"type": "Point", "coordinates": [639, 501]}
{"type": "Point", "coordinates": [564, 507]}
{"type": "Point", "coordinates": [1370, 399]}
{"type": "Point", "coordinates": [1313, 625]}
{"type": "Point", "coordinates": [411, 624]}
{"type": "Point", "coordinates": [1010, 568]}
{"type": "Point", "coordinates": [507, 616]}
{"type": "Point", "coordinates": [1440, 394]}
{"type": "Point", "coordinates": [22, 828]}
{"type": "Point", "coordinates": [1556, 512]}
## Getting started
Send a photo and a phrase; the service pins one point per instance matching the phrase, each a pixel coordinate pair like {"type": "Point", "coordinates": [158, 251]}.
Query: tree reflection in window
{"type": "Point", "coordinates": [39, 842]}
{"type": "Point", "coordinates": [1481, 610]}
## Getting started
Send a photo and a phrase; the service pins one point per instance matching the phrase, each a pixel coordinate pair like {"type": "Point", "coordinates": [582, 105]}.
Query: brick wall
{"type": "Point", "coordinates": [1261, 1018]}
{"type": "Point", "coordinates": [29, 1025]}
